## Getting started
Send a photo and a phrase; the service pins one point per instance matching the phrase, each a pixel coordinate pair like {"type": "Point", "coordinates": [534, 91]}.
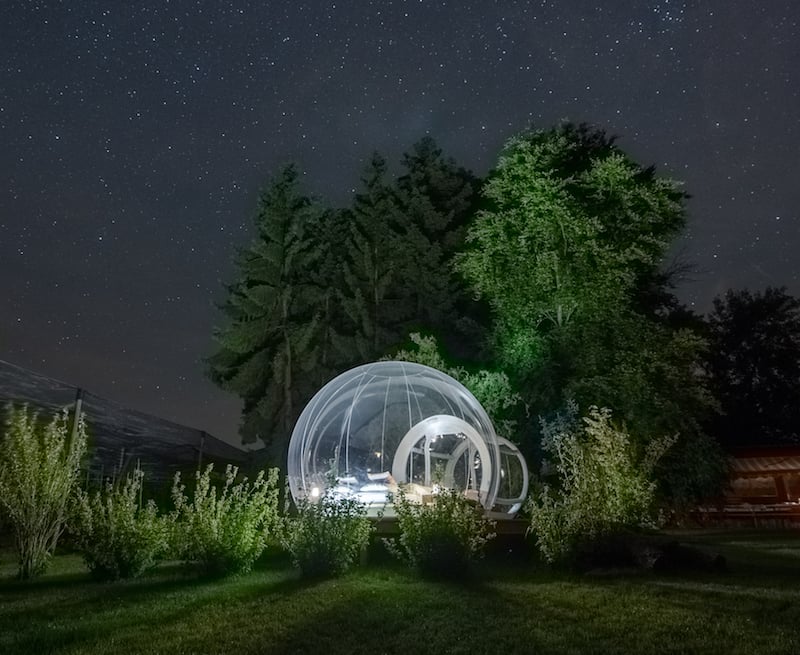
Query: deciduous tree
{"type": "Point", "coordinates": [566, 247]}
{"type": "Point", "coordinates": [754, 367]}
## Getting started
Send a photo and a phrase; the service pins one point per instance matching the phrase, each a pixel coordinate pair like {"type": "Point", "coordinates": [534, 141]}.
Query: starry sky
{"type": "Point", "coordinates": [135, 136]}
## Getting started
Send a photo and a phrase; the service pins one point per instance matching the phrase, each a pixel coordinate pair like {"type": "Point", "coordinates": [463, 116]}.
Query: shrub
{"type": "Point", "coordinates": [39, 466]}
{"type": "Point", "coordinates": [224, 531]}
{"type": "Point", "coordinates": [327, 537]}
{"type": "Point", "coordinates": [492, 389]}
{"type": "Point", "coordinates": [606, 483]}
{"type": "Point", "coordinates": [442, 538]}
{"type": "Point", "coordinates": [119, 538]}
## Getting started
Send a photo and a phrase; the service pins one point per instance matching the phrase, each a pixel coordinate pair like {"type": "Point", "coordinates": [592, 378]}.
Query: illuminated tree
{"type": "Point", "coordinates": [571, 225]}
{"type": "Point", "coordinates": [39, 471]}
{"type": "Point", "coordinates": [571, 236]}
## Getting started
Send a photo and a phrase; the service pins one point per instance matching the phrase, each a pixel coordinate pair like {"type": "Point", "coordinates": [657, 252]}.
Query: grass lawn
{"type": "Point", "coordinates": [508, 607]}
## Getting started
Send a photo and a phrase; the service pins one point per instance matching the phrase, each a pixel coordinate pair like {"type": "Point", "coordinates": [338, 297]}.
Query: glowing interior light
{"type": "Point", "coordinates": [389, 426]}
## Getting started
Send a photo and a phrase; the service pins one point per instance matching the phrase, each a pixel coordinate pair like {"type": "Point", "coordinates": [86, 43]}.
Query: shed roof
{"type": "Point", "coordinates": [754, 466]}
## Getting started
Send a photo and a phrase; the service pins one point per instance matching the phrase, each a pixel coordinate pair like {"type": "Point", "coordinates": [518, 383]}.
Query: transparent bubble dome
{"type": "Point", "coordinates": [386, 426]}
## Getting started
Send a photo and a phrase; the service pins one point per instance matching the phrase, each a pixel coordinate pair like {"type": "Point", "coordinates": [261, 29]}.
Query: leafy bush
{"type": "Point", "coordinates": [39, 466]}
{"type": "Point", "coordinates": [442, 538]}
{"type": "Point", "coordinates": [119, 538]}
{"type": "Point", "coordinates": [492, 389]}
{"type": "Point", "coordinates": [606, 483]}
{"type": "Point", "coordinates": [327, 537]}
{"type": "Point", "coordinates": [226, 530]}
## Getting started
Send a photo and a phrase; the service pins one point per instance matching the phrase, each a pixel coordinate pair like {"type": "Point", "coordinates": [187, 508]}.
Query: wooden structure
{"type": "Point", "coordinates": [763, 489]}
{"type": "Point", "coordinates": [765, 476]}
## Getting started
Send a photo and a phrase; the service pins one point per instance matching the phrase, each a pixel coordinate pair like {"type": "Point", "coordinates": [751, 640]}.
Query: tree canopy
{"type": "Point", "coordinates": [564, 243]}
{"type": "Point", "coordinates": [568, 242]}
{"type": "Point", "coordinates": [320, 289]}
{"type": "Point", "coordinates": [272, 316]}
{"type": "Point", "coordinates": [570, 227]}
{"type": "Point", "coordinates": [754, 367]}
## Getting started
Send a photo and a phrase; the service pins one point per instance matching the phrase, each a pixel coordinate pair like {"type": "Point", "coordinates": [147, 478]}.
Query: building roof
{"type": "Point", "coordinates": [765, 461]}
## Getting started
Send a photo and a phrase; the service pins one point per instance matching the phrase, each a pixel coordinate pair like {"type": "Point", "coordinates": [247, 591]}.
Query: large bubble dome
{"type": "Point", "coordinates": [390, 425]}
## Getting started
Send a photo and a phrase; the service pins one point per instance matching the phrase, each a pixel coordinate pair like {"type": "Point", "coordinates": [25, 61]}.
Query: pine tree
{"type": "Point", "coordinates": [327, 276]}
{"type": "Point", "coordinates": [369, 295]}
{"type": "Point", "coordinates": [272, 318]}
{"type": "Point", "coordinates": [434, 200]}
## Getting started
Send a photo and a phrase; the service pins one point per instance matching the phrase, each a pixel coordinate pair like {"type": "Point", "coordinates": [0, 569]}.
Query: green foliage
{"type": "Point", "coordinates": [570, 227]}
{"type": "Point", "coordinates": [320, 290]}
{"type": "Point", "coordinates": [440, 539]}
{"type": "Point", "coordinates": [492, 389]}
{"type": "Point", "coordinates": [605, 482]}
{"type": "Point", "coordinates": [225, 530]}
{"type": "Point", "coordinates": [371, 269]}
{"type": "Point", "coordinates": [119, 538]}
{"type": "Point", "coordinates": [400, 246]}
{"type": "Point", "coordinates": [567, 250]}
{"type": "Point", "coordinates": [272, 315]}
{"type": "Point", "coordinates": [39, 467]}
{"type": "Point", "coordinates": [434, 199]}
{"type": "Point", "coordinates": [328, 536]}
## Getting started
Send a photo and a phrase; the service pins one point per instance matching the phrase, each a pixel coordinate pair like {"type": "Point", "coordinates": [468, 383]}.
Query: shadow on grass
{"type": "Point", "coordinates": [385, 608]}
{"type": "Point", "coordinates": [75, 612]}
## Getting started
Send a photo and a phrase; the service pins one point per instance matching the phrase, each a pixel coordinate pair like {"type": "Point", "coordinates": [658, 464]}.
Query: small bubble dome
{"type": "Point", "coordinates": [390, 425]}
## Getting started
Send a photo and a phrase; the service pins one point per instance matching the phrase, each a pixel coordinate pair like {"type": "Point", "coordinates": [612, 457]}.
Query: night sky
{"type": "Point", "coordinates": [135, 136]}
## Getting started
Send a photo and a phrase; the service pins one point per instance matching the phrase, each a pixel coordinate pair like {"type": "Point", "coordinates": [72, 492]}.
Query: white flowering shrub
{"type": "Point", "coordinates": [605, 482]}
{"type": "Point", "coordinates": [117, 535]}
{"type": "Point", "coordinates": [224, 530]}
{"type": "Point", "coordinates": [441, 538]}
{"type": "Point", "coordinates": [328, 536]}
{"type": "Point", "coordinates": [39, 469]}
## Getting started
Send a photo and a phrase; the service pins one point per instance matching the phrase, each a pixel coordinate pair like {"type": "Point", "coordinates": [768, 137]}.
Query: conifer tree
{"type": "Point", "coordinates": [369, 295]}
{"type": "Point", "coordinates": [434, 200]}
{"type": "Point", "coordinates": [268, 340]}
{"type": "Point", "coordinates": [332, 349]}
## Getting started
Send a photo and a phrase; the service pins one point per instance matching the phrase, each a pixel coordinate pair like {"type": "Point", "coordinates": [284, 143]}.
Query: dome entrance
{"type": "Point", "coordinates": [444, 451]}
